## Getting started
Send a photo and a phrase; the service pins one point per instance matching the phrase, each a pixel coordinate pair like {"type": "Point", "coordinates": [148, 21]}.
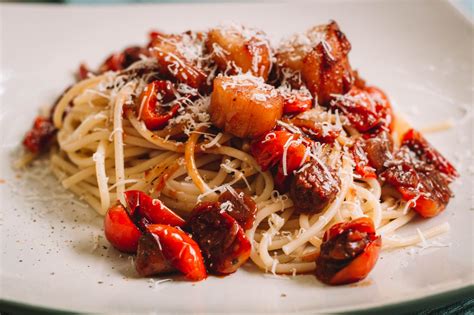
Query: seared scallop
{"type": "Point", "coordinates": [178, 58]}
{"type": "Point", "coordinates": [244, 105]}
{"type": "Point", "coordinates": [317, 59]}
{"type": "Point", "coordinates": [237, 49]}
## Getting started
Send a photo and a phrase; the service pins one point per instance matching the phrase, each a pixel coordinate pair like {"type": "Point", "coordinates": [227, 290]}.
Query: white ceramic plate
{"type": "Point", "coordinates": [419, 52]}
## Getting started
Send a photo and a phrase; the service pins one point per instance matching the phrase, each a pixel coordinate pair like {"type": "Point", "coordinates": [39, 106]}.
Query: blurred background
{"type": "Point", "coordinates": [464, 5]}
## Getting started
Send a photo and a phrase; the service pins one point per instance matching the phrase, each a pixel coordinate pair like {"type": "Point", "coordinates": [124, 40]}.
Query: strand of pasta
{"type": "Point", "coordinates": [191, 163]}
{"type": "Point", "coordinates": [99, 157]}
{"type": "Point", "coordinates": [70, 94]}
{"type": "Point", "coordinates": [122, 96]}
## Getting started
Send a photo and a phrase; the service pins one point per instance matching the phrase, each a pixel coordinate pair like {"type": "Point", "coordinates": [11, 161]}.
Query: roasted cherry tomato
{"type": "Point", "coordinates": [180, 250]}
{"type": "Point", "coordinates": [295, 103]}
{"type": "Point", "coordinates": [240, 206]}
{"type": "Point", "coordinates": [379, 149]}
{"type": "Point", "coordinates": [357, 105]}
{"type": "Point", "coordinates": [150, 102]}
{"type": "Point", "coordinates": [368, 110]}
{"type": "Point", "coordinates": [348, 253]}
{"type": "Point", "coordinates": [420, 174]}
{"type": "Point", "coordinates": [317, 130]}
{"type": "Point", "coordinates": [268, 150]}
{"type": "Point", "coordinates": [222, 240]}
{"type": "Point", "coordinates": [362, 166]}
{"type": "Point", "coordinates": [82, 72]}
{"type": "Point", "coordinates": [150, 259]}
{"type": "Point", "coordinates": [372, 153]}
{"type": "Point", "coordinates": [295, 157]}
{"type": "Point", "coordinates": [382, 106]}
{"type": "Point", "coordinates": [39, 136]}
{"type": "Point", "coordinates": [283, 148]}
{"type": "Point", "coordinates": [140, 205]}
{"type": "Point", "coordinates": [123, 60]}
{"type": "Point", "coordinates": [120, 230]}
{"type": "Point", "coordinates": [425, 152]}
{"type": "Point", "coordinates": [421, 185]}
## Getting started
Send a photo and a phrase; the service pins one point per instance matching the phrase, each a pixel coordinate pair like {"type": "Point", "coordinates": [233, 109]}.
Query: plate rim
{"type": "Point", "coordinates": [438, 299]}
{"type": "Point", "coordinates": [434, 300]}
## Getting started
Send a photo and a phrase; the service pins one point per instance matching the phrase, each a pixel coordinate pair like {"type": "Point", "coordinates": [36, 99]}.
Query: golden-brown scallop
{"type": "Point", "coordinates": [317, 59]}
{"type": "Point", "coordinates": [326, 69]}
{"type": "Point", "coordinates": [178, 56]}
{"type": "Point", "coordinates": [291, 53]}
{"type": "Point", "coordinates": [244, 105]}
{"type": "Point", "coordinates": [237, 49]}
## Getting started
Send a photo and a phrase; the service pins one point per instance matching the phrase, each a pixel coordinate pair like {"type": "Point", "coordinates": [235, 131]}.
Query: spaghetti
{"type": "Point", "coordinates": [108, 142]}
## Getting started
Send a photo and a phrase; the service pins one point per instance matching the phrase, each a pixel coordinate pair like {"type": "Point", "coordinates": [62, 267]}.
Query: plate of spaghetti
{"type": "Point", "coordinates": [238, 166]}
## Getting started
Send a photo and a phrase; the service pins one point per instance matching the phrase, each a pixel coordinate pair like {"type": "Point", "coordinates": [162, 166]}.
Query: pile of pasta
{"type": "Point", "coordinates": [221, 96]}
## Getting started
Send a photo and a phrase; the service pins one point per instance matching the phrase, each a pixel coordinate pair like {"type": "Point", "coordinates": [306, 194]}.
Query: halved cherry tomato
{"type": "Point", "coordinates": [152, 36]}
{"type": "Point", "coordinates": [268, 149]}
{"type": "Point", "coordinates": [382, 106]}
{"type": "Point", "coordinates": [141, 205]}
{"type": "Point", "coordinates": [368, 109]}
{"type": "Point", "coordinates": [122, 60]}
{"type": "Point", "coordinates": [425, 152]}
{"type": "Point", "coordinates": [120, 230]}
{"type": "Point", "coordinates": [348, 253]}
{"type": "Point", "coordinates": [243, 208]}
{"type": "Point", "coordinates": [362, 165]}
{"type": "Point", "coordinates": [39, 136]}
{"type": "Point", "coordinates": [295, 158]}
{"type": "Point", "coordinates": [112, 63]}
{"type": "Point", "coordinates": [180, 250]}
{"type": "Point", "coordinates": [150, 259]}
{"type": "Point", "coordinates": [359, 108]}
{"type": "Point", "coordinates": [317, 130]}
{"type": "Point", "coordinates": [426, 188]}
{"type": "Point", "coordinates": [222, 240]}
{"type": "Point", "coordinates": [295, 103]}
{"type": "Point", "coordinates": [152, 113]}
{"type": "Point", "coordinates": [82, 72]}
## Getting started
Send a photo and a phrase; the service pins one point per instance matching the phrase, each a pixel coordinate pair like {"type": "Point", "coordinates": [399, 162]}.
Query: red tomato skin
{"type": "Point", "coordinates": [148, 103]}
{"type": "Point", "coordinates": [238, 256]}
{"type": "Point", "coordinates": [382, 106]}
{"type": "Point", "coordinates": [296, 105]}
{"type": "Point", "coordinates": [152, 209]}
{"type": "Point", "coordinates": [368, 109]}
{"type": "Point", "coordinates": [120, 230]}
{"type": "Point", "coordinates": [362, 264]}
{"type": "Point", "coordinates": [415, 141]}
{"type": "Point", "coordinates": [362, 165]}
{"type": "Point", "coordinates": [209, 226]}
{"type": "Point", "coordinates": [294, 160]}
{"type": "Point", "coordinates": [361, 224]}
{"type": "Point", "coordinates": [268, 150]}
{"type": "Point", "coordinates": [39, 136]}
{"type": "Point", "coordinates": [113, 63]}
{"type": "Point", "coordinates": [181, 250]}
{"type": "Point", "coordinates": [425, 207]}
{"type": "Point", "coordinates": [82, 72]}
{"type": "Point", "coordinates": [360, 267]}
